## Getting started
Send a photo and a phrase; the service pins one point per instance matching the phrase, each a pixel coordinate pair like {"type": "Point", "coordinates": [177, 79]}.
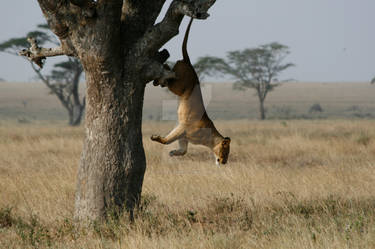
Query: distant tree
{"type": "Point", "coordinates": [373, 81]}
{"type": "Point", "coordinates": [256, 68]}
{"type": "Point", "coordinates": [63, 80]}
{"type": "Point", "coordinates": [208, 66]}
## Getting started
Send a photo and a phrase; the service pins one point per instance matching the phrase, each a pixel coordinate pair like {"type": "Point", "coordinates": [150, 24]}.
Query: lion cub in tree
{"type": "Point", "coordinates": [194, 125]}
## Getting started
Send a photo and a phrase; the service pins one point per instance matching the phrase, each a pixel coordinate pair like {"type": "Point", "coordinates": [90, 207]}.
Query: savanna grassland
{"type": "Point", "coordinates": [288, 184]}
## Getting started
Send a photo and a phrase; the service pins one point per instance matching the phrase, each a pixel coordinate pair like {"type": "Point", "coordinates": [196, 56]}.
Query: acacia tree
{"type": "Point", "coordinates": [64, 78]}
{"type": "Point", "coordinates": [254, 68]}
{"type": "Point", "coordinates": [117, 42]}
{"type": "Point", "coordinates": [64, 83]}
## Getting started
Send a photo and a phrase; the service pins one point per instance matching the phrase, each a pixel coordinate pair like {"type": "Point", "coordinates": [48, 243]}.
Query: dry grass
{"type": "Point", "coordinates": [297, 184]}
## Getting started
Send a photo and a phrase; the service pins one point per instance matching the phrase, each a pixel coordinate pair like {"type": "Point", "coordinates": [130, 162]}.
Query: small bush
{"type": "Point", "coordinates": [364, 139]}
{"type": "Point", "coordinates": [23, 120]}
{"type": "Point", "coordinates": [353, 108]}
{"type": "Point", "coordinates": [32, 232]}
{"type": "Point", "coordinates": [6, 219]}
{"type": "Point", "coordinates": [315, 108]}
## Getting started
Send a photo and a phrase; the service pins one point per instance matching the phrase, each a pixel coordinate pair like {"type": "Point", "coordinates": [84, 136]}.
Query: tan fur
{"type": "Point", "coordinates": [194, 125]}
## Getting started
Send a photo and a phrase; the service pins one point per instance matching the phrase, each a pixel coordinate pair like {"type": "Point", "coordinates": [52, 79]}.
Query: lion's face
{"type": "Point", "coordinates": [222, 151]}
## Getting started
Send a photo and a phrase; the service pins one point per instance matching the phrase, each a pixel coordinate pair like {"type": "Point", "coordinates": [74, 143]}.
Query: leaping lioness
{"type": "Point", "coordinates": [194, 125]}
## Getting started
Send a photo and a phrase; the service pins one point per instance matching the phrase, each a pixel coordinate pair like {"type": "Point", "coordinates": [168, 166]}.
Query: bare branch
{"type": "Point", "coordinates": [162, 32]}
{"type": "Point", "coordinates": [37, 54]}
{"type": "Point", "coordinates": [40, 75]}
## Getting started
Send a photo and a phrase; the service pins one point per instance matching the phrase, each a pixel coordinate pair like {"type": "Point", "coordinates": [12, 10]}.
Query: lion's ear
{"type": "Point", "coordinates": [226, 141]}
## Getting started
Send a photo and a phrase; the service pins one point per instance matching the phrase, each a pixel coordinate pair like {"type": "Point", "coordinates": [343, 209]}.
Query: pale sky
{"type": "Point", "coordinates": [329, 40]}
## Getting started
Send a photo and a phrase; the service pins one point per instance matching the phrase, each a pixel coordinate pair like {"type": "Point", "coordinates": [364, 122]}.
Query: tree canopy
{"type": "Point", "coordinates": [257, 68]}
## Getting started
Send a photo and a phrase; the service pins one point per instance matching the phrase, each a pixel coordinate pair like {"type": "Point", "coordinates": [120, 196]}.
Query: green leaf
{"type": "Point", "coordinates": [210, 66]}
{"type": "Point", "coordinates": [14, 44]}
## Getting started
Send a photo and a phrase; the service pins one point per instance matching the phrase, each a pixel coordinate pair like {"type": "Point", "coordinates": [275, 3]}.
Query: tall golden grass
{"type": "Point", "coordinates": [288, 184]}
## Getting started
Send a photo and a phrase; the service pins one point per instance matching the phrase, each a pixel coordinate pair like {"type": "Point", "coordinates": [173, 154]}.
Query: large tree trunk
{"type": "Point", "coordinates": [113, 160]}
{"type": "Point", "coordinates": [113, 163]}
{"type": "Point", "coordinates": [118, 45]}
{"type": "Point", "coordinates": [262, 110]}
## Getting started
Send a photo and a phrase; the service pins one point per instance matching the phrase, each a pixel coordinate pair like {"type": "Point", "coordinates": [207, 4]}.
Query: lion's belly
{"type": "Point", "coordinates": [192, 115]}
{"type": "Point", "coordinates": [190, 111]}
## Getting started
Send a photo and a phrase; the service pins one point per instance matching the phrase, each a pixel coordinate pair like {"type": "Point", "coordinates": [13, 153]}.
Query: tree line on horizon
{"type": "Point", "coordinates": [251, 68]}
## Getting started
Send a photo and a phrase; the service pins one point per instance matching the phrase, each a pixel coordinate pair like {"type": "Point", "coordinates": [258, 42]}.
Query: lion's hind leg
{"type": "Point", "coordinates": [183, 143]}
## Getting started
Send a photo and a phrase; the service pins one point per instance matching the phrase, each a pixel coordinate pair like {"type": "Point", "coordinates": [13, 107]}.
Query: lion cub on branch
{"type": "Point", "coordinates": [194, 125]}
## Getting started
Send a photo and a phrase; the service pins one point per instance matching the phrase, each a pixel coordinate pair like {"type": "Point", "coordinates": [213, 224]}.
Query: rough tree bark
{"type": "Point", "coordinates": [118, 45]}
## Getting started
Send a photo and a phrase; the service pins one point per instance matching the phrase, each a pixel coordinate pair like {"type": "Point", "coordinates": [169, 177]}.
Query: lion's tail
{"type": "Point", "coordinates": [184, 44]}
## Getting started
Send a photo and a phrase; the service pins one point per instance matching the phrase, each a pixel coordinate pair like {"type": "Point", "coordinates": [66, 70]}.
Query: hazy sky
{"type": "Point", "coordinates": [330, 40]}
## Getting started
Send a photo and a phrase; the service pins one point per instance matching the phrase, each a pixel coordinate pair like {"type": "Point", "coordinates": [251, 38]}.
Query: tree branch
{"type": "Point", "coordinates": [51, 6]}
{"type": "Point", "coordinates": [162, 32]}
{"type": "Point", "coordinates": [54, 12]}
{"type": "Point", "coordinates": [138, 16]}
{"type": "Point", "coordinates": [150, 11]}
{"type": "Point", "coordinates": [40, 75]}
{"type": "Point", "coordinates": [88, 7]}
{"type": "Point", "coordinates": [38, 55]}
{"type": "Point", "coordinates": [156, 70]}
